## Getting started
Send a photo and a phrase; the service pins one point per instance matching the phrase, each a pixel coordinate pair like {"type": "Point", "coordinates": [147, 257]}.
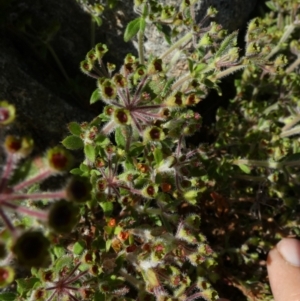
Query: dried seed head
{"type": "Point", "coordinates": [63, 216]}
{"type": "Point", "coordinates": [31, 249]}
{"type": "Point", "coordinates": [79, 189]}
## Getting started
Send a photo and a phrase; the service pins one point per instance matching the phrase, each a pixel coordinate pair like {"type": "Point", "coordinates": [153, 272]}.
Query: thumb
{"type": "Point", "coordinates": [283, 265]}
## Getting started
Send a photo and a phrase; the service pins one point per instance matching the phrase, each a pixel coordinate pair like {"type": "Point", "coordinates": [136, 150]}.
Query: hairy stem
{"type": "Point", "coordinates": [184, 39]}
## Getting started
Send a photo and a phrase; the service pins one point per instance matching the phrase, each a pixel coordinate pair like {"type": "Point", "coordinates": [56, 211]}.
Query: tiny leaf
{"type": "Point", "coordinates": [98, 20]}
{"type": "Point", "coordinates": [7, 296]}
{"type": "Point", "coordinates": [132, 29]}
{"type": "Point", "coordinates": [166, 30]}
{"type": "Point", "coordinates": [78, 247]}
{"type": "Point", "coordinates": [96, 95]}
{"type": "Point", "coordinates": [25, 284]}
{"type": "Point", "coordinates": [107, 207]}
{"type": "Point", "coordinates": [158, 156]}
{"type": "Point", "coordinates": [72, 142]}
{"type": "Point", "coordinates": [89, 152]}
{"type": "Point", "coordinates": [244, 168]}
{"type": "Point", "coordinates": [120, 137]}
{"type": "Point", "coordinates": [74, 128]}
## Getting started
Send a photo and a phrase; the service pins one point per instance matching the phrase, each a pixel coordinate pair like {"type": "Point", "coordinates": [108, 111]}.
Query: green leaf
{"type": "Point", "coordinates": [107, 207]}
{"type": "Point", "coordinates": [271, 5]}
{"type": "Point", "coordinates": [99, 297]}
{"type": "Point", "coordinates": [96, 96]}
{"type": "Point", "coordinates": [158, 156]}
{"type": "Point", "coordinates": [142, 24]}
{"type": "Point", "coordinates": [72, 142]}
{"type": "Point", "coordinates": [244, 168]}
{"type": "Point", "coordinates": [98, 20]}
{"type": "Point", "coordinates": [136, 149]}
{"type": "Point", "coordinates": [199, 68]}
{"type": "Point", "coordinates": [229, 42]}
{"type": "Point", "coordinates": [62, 262]}
{"type": "Point", "coordinates": [76, 171]}
{"type": "Point", "coordinates": [132, 29]}
{"type": "Point", "coordinates": [89, 152]}
{"type": "Point", "coordinates": [120, 137]}
{"type": "Point", "coordinates": [8, 296]}
{"type": "Point", "coordinates": [108, 245]}
{"type": "Point", "coordinates": [78, 247]}
{"type": "Point", "coordinates": [166, 30]}
{"type": "Point", "coordinates": [74, 128]}
{"type": "Point", "coordinates": [191, 65]}
{"type": "Point", "coordinates": [59, 251]}
{"type": "Point", "coordinates": [24, 285]}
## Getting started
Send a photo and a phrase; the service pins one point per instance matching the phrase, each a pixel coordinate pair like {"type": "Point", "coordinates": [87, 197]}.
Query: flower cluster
{"type": "Point", "coordinates": [158, 217]}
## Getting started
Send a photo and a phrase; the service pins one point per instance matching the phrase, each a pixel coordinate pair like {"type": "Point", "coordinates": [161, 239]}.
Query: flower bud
{"type": "Point", "coordinates": [150, 191]}
{"type": "Point", "coordinates": [154, 134]}
{"type": "Point", "coordinates": [175, 100]}
{"type": "Point", "coordinates": [167, 12]}
{"type": "Point", "coordinates": [31, 249]}
{"type": "Point", "coordinates": [120, 80]}
{"type": "Point", "coordinates": [7, 113]}
{"type": "Point", "coordinates": [91, 56]}
{"type": "Point", "coordinates": [108, 110]}
{"type": "Point", "coordinates": [100, 50]}
{"type": "Point", "coordinates": [86, 66]}
{"type": "Point", "coordinates": [7, 275]}
{"type": "Point", "coordinates": [98, 9]}
{"type": "Point", "coordinates": [101, 185]}
{"type": "Point", "coordinates": [280, 61]}
{"type": "Point", "coordinates": [254, 24]}
{"type": "Point", "coordinates": [155, 66]}
{"type": "Point", "coordinates": [252, 49]}
{"type": "Point", "coordinates": [18, 146]}
{"type": "Point", "coordinates": [122, 116]}
{"type": "Point", "coordinates": [38, 295]}
{"type": "Point", "coordinates": [205, 41]}
{"type": "Point", "coordinates": [130, 59]}
{"type": "Point", "coordinates": [192, 99]}
{"type": "Point", "coordinates": [107, 88]}
{"type": "Point", "coordinates": [111, 67]}
{"type": "Point", "coordinates": [211, 12]}
{"type": "Point", "coordinates": [59, 159]}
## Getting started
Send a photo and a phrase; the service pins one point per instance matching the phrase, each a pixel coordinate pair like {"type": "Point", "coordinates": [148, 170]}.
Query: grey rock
{"type": "Point", "coordinates": [232, 14]}
{"type": "Point", "coordinates": [27, 80]}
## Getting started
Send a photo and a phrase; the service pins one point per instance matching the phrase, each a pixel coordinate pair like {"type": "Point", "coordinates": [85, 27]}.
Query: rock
{"type": "Point", "coordinates": [47, 97]}
{"type": "Point", "coordinates": [36, 34]}
{"type": "Point", "coordinates": [232, 14]}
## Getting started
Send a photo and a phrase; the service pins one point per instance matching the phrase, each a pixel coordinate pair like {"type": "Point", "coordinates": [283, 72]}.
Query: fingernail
{"type": "Point", "coordinates": [289, 248]}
